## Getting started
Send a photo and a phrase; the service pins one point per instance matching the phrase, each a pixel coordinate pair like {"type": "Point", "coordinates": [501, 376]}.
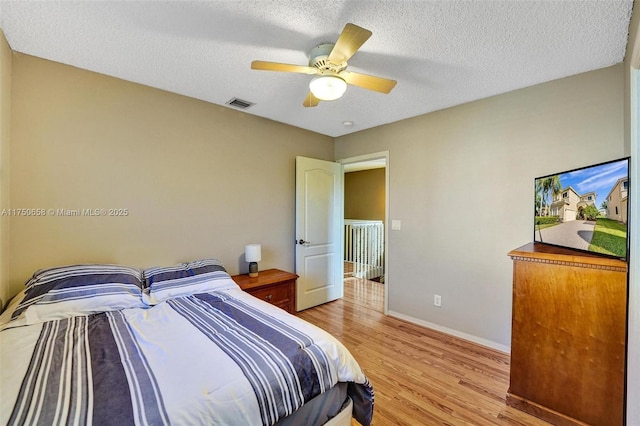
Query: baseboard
{"type": "Point", "coordinates": [475, 339]}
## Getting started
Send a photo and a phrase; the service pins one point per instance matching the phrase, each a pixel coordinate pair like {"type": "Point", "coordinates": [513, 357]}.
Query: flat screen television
{"type": "Point", "coordinates": [585, 209]}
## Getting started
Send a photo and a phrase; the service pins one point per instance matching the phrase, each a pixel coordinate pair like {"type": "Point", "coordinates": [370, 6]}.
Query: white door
{"type": "Point", "coordinates": [318, 232]}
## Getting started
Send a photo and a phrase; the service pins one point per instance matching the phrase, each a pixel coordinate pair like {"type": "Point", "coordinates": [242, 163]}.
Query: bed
{"type": "Point", "coordinates": [111, 344]}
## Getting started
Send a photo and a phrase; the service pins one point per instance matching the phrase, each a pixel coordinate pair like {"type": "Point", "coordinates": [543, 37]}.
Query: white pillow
{"type": "Point", "coordinates": [200, 276]}
{"type": "Point", "coordinates": [79, 290]}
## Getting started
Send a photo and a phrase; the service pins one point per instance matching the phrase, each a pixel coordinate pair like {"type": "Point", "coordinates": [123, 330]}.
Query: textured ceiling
{"type": "Point", "coordinates": [442, 53]}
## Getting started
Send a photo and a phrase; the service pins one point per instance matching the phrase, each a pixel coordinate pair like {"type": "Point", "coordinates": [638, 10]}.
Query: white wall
{"type": "Point", "coordinates": [461, 182]}
{"type": "Point", "coordinates": [633, 348]}
{"type": "Point", "coordinates": [632, 147]}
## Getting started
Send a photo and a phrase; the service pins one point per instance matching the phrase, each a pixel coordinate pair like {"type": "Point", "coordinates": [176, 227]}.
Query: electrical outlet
{"type": "Point", "coordinates": [437, 300]}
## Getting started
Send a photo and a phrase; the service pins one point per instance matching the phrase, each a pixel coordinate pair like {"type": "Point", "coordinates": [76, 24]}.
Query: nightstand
{"type": "Point", "coordinates": [273, 285]}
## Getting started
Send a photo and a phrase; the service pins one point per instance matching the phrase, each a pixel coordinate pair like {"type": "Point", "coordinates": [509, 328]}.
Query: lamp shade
{"type": "Point", "coordinates": [252, 253]}
{"type": "Point", "coordinates": [327, 87]}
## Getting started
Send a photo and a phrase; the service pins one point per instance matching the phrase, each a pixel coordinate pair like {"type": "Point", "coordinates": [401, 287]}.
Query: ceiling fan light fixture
{"type": "Point", "coordinates": [328, 87]}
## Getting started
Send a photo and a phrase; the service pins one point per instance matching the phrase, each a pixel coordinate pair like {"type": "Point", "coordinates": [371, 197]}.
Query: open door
{"type": "Point", "coordinates": [318, 232]}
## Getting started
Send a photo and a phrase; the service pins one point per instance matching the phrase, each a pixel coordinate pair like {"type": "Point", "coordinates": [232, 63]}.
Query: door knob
{"type": "Point", "coordinates": [303, 242]}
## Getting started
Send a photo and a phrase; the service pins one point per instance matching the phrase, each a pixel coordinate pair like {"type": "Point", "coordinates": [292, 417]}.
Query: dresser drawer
{"type": "Point", "coordinates": [273, 285]}
{"type": "Point", "coordinates": [276, 295]}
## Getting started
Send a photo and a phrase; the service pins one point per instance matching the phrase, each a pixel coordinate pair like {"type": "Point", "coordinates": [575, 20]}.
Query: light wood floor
{"type": "Point", "coordinates": [420, 376]}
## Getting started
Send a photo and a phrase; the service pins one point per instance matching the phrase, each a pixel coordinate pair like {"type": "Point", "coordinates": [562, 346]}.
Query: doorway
{"type": "Point", "coordinates": [366, 183]}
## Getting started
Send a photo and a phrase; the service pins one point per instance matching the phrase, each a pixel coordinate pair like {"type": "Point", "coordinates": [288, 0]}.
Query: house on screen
{"type": "Point", "coordinates": [568, 204]}
{"type": "Point", "coordinates": [617, 200]}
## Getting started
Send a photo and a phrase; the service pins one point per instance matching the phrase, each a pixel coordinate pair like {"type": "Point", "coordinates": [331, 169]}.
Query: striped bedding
{"type": "Point", "coordinates": [221, 357]}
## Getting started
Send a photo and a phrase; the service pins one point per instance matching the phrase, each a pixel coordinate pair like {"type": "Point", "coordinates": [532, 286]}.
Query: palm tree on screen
{"type": "Point", "coordinates": [539, 198]}
{"type": "Point", "coordinates": [551, 186]}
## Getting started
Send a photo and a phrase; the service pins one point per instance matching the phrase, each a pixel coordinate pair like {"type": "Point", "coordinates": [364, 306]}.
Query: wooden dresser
{"type": "Point", "coordinates": [568, 335]}
{"type": "Point", "coordinates": [273, 285]}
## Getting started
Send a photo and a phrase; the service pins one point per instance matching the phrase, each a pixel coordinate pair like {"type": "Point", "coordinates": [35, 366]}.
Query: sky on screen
{"type": "Point", "coordinates": [598, 179]}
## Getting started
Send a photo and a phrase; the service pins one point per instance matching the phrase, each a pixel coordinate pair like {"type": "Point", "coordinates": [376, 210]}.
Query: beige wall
{"type": "Point", "coordinates": [5, 133]}
{"type": "Point", "coordinates": [198, 180]}
{"type": "Point", "coordinates": [364, 194]}
{"type": "Point", "coordinates": [461, 182]}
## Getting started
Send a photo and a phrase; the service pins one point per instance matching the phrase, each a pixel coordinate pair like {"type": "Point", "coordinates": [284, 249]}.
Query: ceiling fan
{"type": "Point", "coordinates": [329, 62]}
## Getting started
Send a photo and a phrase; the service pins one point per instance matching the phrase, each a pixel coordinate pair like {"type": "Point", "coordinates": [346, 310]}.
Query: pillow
{"type": "Point", "coordinates": [79, 290]}
{"type": "Point", "coordinates": [199, 276]}
{"type": "Point", "coordinates": [11, 307]}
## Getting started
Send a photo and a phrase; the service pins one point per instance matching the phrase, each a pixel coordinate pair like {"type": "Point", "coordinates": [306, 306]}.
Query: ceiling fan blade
{"type": "Point", "coordinates": [370, 82]}
{"type": "Point", "coordinates": [348, 43]}
{"type": "Point", "coordinates": [311, 101]}
{"type": "Point", "coordinates": [276, 66]}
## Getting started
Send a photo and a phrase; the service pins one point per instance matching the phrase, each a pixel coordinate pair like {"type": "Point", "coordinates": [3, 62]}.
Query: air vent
{"type": "Point", "coordinates": [239, 103]}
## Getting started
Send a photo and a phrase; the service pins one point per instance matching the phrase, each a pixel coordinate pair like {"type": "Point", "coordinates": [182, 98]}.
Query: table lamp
{"type": "Point", "coordinates": [253, 255]}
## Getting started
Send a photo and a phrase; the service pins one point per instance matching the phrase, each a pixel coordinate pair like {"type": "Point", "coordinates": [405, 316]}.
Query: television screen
{"type": "Point", "coordinates": [585, 209]}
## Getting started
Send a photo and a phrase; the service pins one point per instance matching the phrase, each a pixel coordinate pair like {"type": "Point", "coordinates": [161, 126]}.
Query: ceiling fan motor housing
{"type": "Point", "coordinates": [319, 58]}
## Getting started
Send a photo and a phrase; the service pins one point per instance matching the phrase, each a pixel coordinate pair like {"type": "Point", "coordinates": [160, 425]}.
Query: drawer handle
{"type": "Point", "coordinates": [268, 297]}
